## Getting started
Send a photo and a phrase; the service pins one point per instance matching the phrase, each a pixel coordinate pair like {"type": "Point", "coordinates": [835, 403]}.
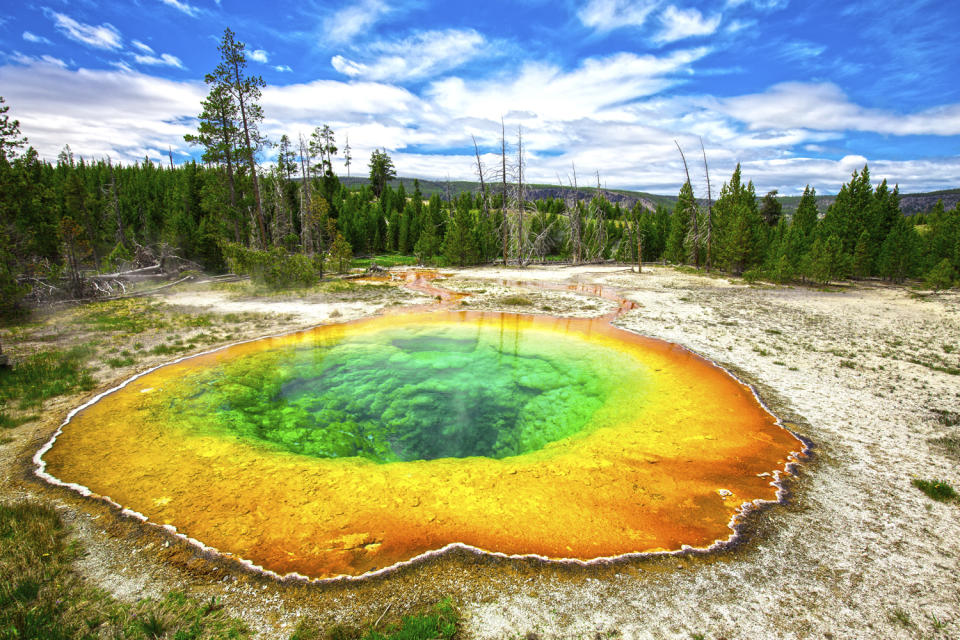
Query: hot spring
{"type": "Point", "coordinates": [350, 448]}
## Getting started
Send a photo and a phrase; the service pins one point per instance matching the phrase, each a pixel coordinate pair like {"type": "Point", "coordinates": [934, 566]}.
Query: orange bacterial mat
{"type": "Point", "coordinates": [301, 453]}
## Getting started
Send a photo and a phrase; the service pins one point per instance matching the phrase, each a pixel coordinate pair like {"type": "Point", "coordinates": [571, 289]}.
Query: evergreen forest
{"type": "Point", "coordinates": [63, 222]}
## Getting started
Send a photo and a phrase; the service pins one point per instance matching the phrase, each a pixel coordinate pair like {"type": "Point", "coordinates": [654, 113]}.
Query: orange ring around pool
{"type": "Point", "coordinates": [672, 471]}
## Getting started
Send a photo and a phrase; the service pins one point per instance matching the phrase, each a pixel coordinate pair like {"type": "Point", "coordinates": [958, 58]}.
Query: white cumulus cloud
{"type": "Point", "coordinates": [259, 55]}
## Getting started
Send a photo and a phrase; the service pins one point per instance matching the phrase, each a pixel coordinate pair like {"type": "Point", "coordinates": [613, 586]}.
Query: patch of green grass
{"type": "Point", "coordinates": [902, 617]}
{"type": "Point", "coordinates": [41, 595]}
{"type": "Point", "coordinates": [338, 286]}
{"type": "Point", "coordinates": [773, 332]}
{"type": "Point", "coordinates": [936, 489]}
{"type": "Point", "coordinates": [438, 622]}
{"type": "Point", "coordinates": [12, 422]}
{"type": "Point", "coordinates": [386, 261]}
{"type": "Point", "coordinates": [515, 300]}
{"type": "Point", "coordinates": [136, 315]}
{"type": "Point", "coordinates": [953, 371]}
{"type": "Point", "coordinates": [168, 349]}
{"type": "Point", "coordinates": [116, 363]}
{"type": "Point", "coordinates": [45, 375]}
{"type": "Point", "coordinates": [848, 364]}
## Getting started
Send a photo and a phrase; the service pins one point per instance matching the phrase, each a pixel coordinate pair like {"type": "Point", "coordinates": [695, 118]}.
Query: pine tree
{"type": "Point", "coordinates": [381, 171]}
{"type": "Point", "coordinates": [427, 244]}
{"type": "Point", "coordinates": [287, 158]}
{"type": "Point", "coordinates": [459, 245]}
{"type": "Point", "coordinates": [771, 209]}
{"type": "Point", "coordinates": [244, 92]}
{"type": "Point", "coordinates": [676, 250]}
{"type": "Point", "coordinates": [941, 276]}
{"type": "Point", "coordinates": [898, 256]}
{"type": "Point", "coordinates": [340, 253]}
{"type": "Point", "coordinates": [826, 260]}
{"type": "Point", "coordinates": [10, 138]}
{"type": "Point", "coordinates": [862, 262]}
{"type": "Point", "coordinates": [739, 226]}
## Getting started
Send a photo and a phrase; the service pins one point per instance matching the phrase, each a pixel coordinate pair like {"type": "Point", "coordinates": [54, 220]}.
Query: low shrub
{"type": "Point", "coordinates": [274, 269]}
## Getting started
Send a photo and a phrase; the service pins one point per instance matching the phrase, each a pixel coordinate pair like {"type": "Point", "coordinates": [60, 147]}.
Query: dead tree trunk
{"type": "Point", "coordinates": [706, 170]}
{"type": "Point", "coordinates": [505, 231]}
{"type": "Point", "coordinates": [694, 226]}
{"type": "Point", "coordinates": [521, 200]}
{"type": "Point", "coordinates": [306, 204]}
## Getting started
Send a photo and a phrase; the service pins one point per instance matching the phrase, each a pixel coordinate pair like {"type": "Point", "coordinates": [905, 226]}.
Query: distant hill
{"type": "Point", "coordinates": [910, 203]}
{"type": "Point", "coordinates": [534, 191]}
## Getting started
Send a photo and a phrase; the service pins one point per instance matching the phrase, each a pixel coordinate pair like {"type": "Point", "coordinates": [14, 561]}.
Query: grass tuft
{"type": "Point", "coordinates": [439, 622]}
{"type": "Point", "coordinates": [515, 300]}
{"type": "Point", "coordinates": [41, 596]}
{"type": "Point", "coordinates": [45, 375]}
{"type": "Point", "coordinates": [936, 489]}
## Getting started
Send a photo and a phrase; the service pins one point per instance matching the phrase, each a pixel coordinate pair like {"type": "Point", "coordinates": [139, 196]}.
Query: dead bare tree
{"type": "Point", "coordinates": [706, 170]}
{"type": "Point", "coordinates": [693, 236]}
{"type": "Point", "coordinates": [521, 200]}
{"type": "Point", "coordinates": [600, 218]}
{"type": "Point", "coordinates": [306, 162]}
{"type": "Point", "coordinates": [505, 224]}
{"type": "Point", "coordinates": [483, 185]}
{"type": "Point", "coordinates": [571, 207]}
{"type": "Point", "coordinates": [113, 202]}
{"type": "Point", "coordinates": [280, 223]}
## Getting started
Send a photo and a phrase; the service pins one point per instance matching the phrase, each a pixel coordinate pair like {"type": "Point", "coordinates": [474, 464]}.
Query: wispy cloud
{"type": "Point", "coordinates": [801, 50]}
{"type": "Point", "coordinates": [142, 47]}
{"type": "Point", "coordinates": [825, 107]}
{"type": "Point", "coordinates": [104, 36]}
{"type": "Point", "coordinates": [607, 15]}
{"type": "Point", "coordinates": [354, 20]}
{"type": "Point", "coordinates": [163, 60]}
{"type": "Point", "coordinates": [678, 24]}
{"type": "Point", "coordinates": [283, 68]}
{"type": "Point", "coordinates": [259, 55]}
{"type": "Point", "coordinates": [31, 37]}
{"type": "Point", "coordinates": [183, 7]}
{"type": "Point", "coordinates": [44, 59]}
{"type": "Point", "coordinates": [761, 5]}
{"type": "Point", "coordinates": [423, 55]}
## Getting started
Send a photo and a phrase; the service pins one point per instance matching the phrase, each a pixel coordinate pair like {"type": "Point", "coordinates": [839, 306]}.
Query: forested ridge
{"type": "Point", "coordinates": [287, 224]}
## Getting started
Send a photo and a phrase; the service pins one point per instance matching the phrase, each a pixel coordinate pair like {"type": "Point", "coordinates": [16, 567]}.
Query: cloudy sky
{"type": "Point", "coordinates": [799, 91]}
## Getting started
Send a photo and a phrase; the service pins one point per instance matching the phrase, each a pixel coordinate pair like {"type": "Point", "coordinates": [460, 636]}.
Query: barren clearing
{"type": "Point", "coordinates": [864, 372]}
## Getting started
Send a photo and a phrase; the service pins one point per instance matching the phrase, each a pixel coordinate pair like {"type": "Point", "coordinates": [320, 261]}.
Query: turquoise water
{"type": "Point", "coordinates": [406, 393]}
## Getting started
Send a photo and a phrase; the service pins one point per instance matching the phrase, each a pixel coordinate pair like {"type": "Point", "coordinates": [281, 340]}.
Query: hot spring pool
{"type": "Point", "coordinates": [350, 448]}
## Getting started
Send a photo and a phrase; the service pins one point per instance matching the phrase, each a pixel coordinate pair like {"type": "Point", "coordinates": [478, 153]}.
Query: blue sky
{"type": "Point", "coordinates": [799, 92]}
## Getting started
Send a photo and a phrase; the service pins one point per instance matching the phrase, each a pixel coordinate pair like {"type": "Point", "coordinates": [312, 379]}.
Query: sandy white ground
{"type": "Point", "coordinates": [859, 552]}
